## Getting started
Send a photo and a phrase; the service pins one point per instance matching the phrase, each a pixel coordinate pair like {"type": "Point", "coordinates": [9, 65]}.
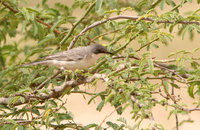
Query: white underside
{"type": "Point", "coordinates": [73, 65]}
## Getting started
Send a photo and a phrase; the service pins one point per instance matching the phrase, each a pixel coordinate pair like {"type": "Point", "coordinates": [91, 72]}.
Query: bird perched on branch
{"type": "Point", "coordinates": [76, 58]}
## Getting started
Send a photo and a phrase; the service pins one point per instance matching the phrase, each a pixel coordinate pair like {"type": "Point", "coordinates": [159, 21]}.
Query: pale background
{"type": "Point", "coordinates": [86, 114]}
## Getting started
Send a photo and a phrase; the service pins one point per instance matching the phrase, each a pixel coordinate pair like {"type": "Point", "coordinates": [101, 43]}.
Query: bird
{"type": "Point", "coordinates": [76, 58]}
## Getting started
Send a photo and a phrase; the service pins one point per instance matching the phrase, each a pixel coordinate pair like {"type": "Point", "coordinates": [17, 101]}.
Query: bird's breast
{"type": "Point", "coordinates": [84, 63]}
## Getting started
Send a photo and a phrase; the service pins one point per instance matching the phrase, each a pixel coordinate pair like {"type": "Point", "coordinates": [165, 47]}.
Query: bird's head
{"type": "Point", "coordinates": [99, 49]}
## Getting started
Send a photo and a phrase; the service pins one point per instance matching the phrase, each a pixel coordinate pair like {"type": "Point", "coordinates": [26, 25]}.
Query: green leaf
{"type": "Point", "coordinates": [162, 4]}
{"type": "Point", "coordinates": [175, 85]}
{"type": "Point", "coordinates": [59, 22]}
{"type": "Point", "coordinates": [52, 102]}
{"type": "Point", "coordinates": [26, 14]}
{"type": "Point", "coordinates": [112, 125]}
{"type": "Point", "coordinates": [190, 1]}
{"type": "Point", "coordinates": [39, 79]}
{"type": "Point", "coordinates": [35, 111]}
{"type": "Point", "coordinates": [22, 99]}
{"type": "Point", "coordinates": [100, 106]}
{"type": "Point", "coordinates": [20, 127]}
{"type": "Point", "coordinates": [196, 27]}
{"type": "Point", "coordinates": [151, 65]}
{"type": "Point", "coordinates": [91, 125]}
{"type": "Point", "coordinates": [48, 38]}
{"type": "Point", "coordinates": [191, 90]}
{"type": "Point", "coordinates": [184, 31]}
{"type": "Point", "coordinates": [98, 5]}
{"type": "Point", "coordinates": [96, 95]}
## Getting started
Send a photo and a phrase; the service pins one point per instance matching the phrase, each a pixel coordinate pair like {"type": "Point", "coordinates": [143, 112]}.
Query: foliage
{"type": "Point", "coordinates": [31, 96]}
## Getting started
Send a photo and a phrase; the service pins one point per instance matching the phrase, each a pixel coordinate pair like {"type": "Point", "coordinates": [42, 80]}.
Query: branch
{"type": "Point", "coordinates": [126, 17]}
{"type": "Point", "coordinates": [44, 82]}
{"type": "Point", "coordinates": [147, 44]}
{"type": "Point", "coordinates": [53, 93]}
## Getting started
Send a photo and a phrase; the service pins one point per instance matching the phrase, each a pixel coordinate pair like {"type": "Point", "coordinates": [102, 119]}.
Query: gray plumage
{"type": "Point", "coordinates": [76, 58]}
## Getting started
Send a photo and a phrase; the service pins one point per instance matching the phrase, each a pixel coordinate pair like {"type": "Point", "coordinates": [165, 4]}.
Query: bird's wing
{"type": "Point", "coordinates": [70, 55]}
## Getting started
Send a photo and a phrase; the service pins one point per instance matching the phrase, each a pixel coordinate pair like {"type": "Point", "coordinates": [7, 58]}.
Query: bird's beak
{"type": "Point", "coordinates": [107, 52]}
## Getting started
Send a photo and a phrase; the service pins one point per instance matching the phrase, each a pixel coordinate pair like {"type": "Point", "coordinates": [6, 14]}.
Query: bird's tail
{"type": "Point", "coordinates": [35, 63]}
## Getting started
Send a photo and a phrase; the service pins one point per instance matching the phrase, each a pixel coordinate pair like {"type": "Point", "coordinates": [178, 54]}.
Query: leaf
{"type": "Point", "coordinates": [55, 115]}
{"type": "Point", "coordinates": [46, 114]}
{"type": "Point", "coordinates": [48, 38]}
{"type": "Point", "coordinates": [39, 79]}
{"type": "Point", "coordinates": [175, 85]}
{"type": "Point", "coordinates": [162, 4]}
{"type": "Point", "coordinates": [119, 110]}
{"type": "Point", "coordinates": [20, 127]}
{"type": "Point", "coordinates": [112, 125]}
{"type": "Point", "coordinates": [52, 102]}
{"type": "Point", "coordinates": [22, 99]}
{"type": "Point", "coordinates": [64, 116]}
{"type": "Point", "coordinates": [96, 95]}
{"type": "Point", "coordinates": [191, 90]}
{"type": "Point", "coordinates": [91, 125]}
{"type": "Point", "coordinates": [35, 111]}
{"type": "Point", "coordinates": [190, 1]}
{"type": "Point", "coordinates": [122, 119]}
{"type": "Point", "coordinates": [151, 65]}
{"type": "Point", "coordinates": [196, 27]}
{"type": "Point", "coordinates": [100, 106]}
{"type": "Point", "coordinates": [98, 5]}
{"type": "Point", "coordinates": [184, 31]}
{"type": "Point", "coordinates": [24, 11]}
{"type": "Point", "coordinates": [59, 22]}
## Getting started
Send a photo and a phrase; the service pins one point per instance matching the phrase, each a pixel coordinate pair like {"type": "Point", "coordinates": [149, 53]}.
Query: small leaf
{"type": "Point", "coordinates": [113, 125]}
{"type": "Point", "coordinates": [162, 4]}
{"type": "Point", "coordinates": [91, 125]}
{"type": "Point", "coordinates": [191, 91]}
{"type": "Point", "coordinates": [49, 37]}
{"type": "Point", "coordinates": [35, 111]}
{"type": "Point", "coordinates": [175, 85]}
{"type": "Point", "coordinates": [96, 95]}
{"type": "Point", "coordinates": [22, 99]}
{"type": "Point", "coordinates": [151, 65]}
{"type": "Point", "coordinates": [100, 106]}
{"type": "Point", "coordinates": [59, 22]}
{"type": "Point", "coordinates": [98, 5]}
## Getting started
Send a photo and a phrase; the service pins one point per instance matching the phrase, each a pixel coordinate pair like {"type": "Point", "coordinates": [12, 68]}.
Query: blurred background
{"type": "Point", "coordinates": [85, 114]}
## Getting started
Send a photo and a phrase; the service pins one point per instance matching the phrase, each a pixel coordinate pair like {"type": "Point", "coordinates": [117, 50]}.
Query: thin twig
{"type": "Point", "coordinates": [103, 34]}
{"type": "Point", "coordinates": [110, 115]}
{"type": "Point", "coordinates": [126, 17]}
{"type": "Point", "coordinates": [147, 44]}
{"type": "Point", "coordinates": [44, 82]}
{"type": "Point", "coordinates": [76, 24]}
{"type": "Point", "coordinates": [166, 91]}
